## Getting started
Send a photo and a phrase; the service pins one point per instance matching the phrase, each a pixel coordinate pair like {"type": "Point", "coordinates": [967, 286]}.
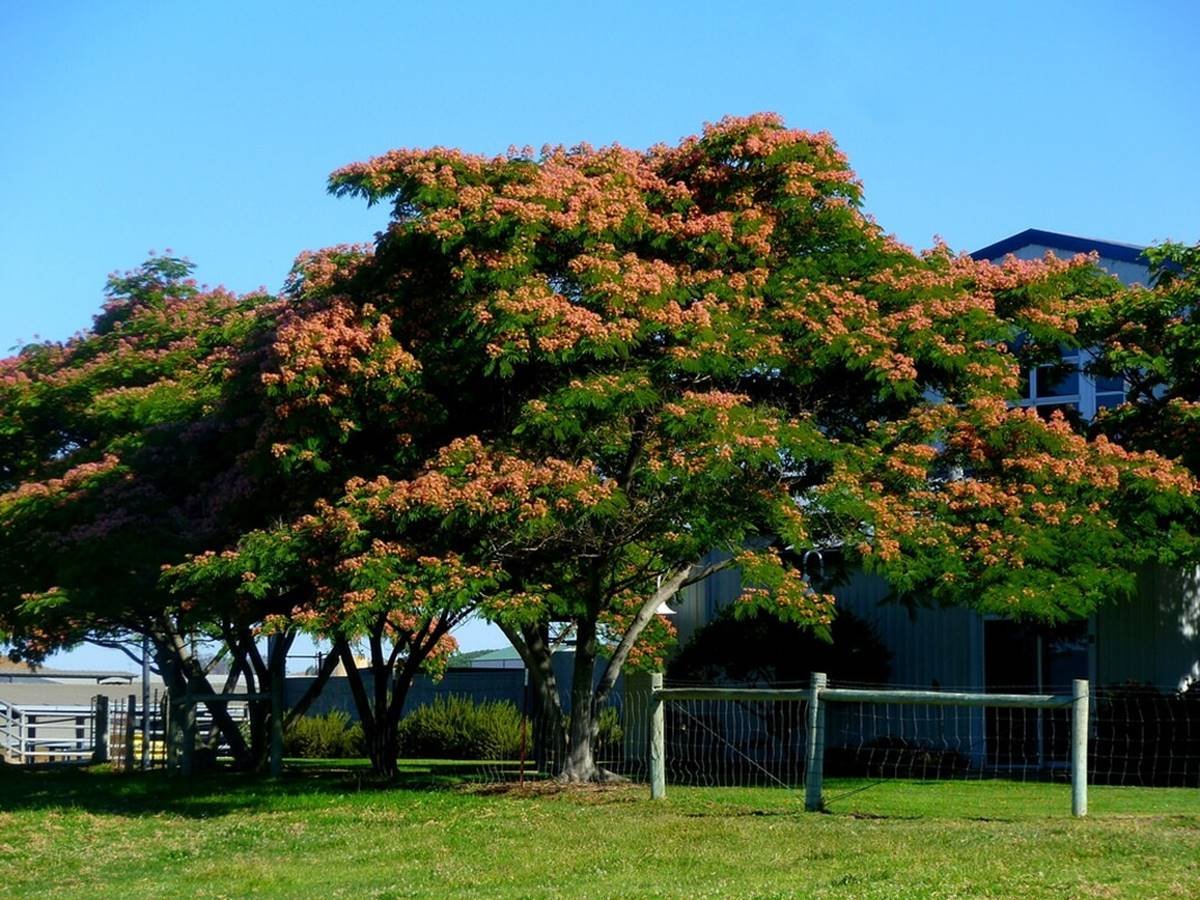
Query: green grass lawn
{"type": "Point", "coordinates": [330, 831]}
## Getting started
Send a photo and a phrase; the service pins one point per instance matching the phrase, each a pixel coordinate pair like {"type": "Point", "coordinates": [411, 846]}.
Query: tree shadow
{"type": "Point", "coordinates": [99, 789]}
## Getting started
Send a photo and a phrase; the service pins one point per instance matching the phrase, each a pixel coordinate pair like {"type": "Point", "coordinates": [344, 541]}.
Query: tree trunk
{"type": "Point", "coordinates": [257, 677]}
{"type": "Point", "coordinates": [580, 759]}
{"type": "Point", "coordinates": [580, 763]}
{"type": "Point", "coordinates": [392, 675]}
{"type": "Point", "coordinates": [383, 748]}
{"type": "Point", "coordinates": [177, 707]}
{"type": "Point", "coordinates": [533, 645]}
{"type": "Point", "coordinates": [173, 646]}
{"type": "Point", "coordinates": [381, 740]}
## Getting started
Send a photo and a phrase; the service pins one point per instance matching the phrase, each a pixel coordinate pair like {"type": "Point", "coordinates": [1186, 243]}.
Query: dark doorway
{"type": "Point", "coordinates": [1021, 658]}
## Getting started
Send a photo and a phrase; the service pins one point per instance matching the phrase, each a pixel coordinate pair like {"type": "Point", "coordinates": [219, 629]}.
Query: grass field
{"type": "Point", "coordinates": [329, 831]}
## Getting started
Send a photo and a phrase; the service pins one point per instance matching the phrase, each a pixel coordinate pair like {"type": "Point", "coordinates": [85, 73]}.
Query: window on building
{"type": "Point", "coordinates": [1067, 388]}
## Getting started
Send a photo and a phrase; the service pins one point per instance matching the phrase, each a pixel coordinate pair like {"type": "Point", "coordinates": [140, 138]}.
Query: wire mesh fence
{"type": "Point", "coordinates": [935, 742]}
{"type": "Point", "coordinates": [619, 747]}
{"type": "Point", "coordinates": [744, 743]}
{"type": "Point", "coordinates": [1145, 736]}
{"type": "Point", "coordinates": [1137, 735]}
{"type": "Point", "coordinates": [710, 743]}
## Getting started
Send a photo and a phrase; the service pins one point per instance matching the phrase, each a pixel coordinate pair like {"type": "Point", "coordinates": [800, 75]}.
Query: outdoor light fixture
{"type": "Point", "coordinates": [664, 608]}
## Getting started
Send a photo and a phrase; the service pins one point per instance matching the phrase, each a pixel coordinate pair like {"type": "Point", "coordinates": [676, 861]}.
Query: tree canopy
{"type": "Point", "coordinates": [558, 381]}
{"type": "Point", "coordinates": [1148, 337]}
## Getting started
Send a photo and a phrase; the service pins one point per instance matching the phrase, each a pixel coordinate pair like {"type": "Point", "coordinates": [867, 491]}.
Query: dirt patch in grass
{"type": "Point", "coordinates": [587, 793]}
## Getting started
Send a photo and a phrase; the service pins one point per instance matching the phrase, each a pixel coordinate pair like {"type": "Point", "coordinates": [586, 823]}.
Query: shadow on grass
{"type": "Point", "coordinates": [99, 789]}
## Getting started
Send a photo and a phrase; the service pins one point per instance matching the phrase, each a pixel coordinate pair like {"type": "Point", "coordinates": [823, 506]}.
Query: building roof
{"type": "Point", "coordinates": [19, 671]}
{"type": "Point", "coordinates": [504, 653]}
{"type": "Point", "coordinates": [506, 658]}
{"type": "Point", "coordinates": [48, 693]}
{"type": "Point", "coordinates": [1131, 253]}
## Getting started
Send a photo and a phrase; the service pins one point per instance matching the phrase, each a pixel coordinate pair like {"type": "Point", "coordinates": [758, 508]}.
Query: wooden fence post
{"type": "Point", "coordinates": [658, 762]}
{"type": "Point", "coordinates": [1079, 747]}
{"type": "Point", "coordinates": [278, 674]}
{"type": "Point", "coordinates": [147, 725]}
{"type": "Point", "coordinates": [130, 724]}
{"type": "Point", "coordinates": [815, 756]}
{"type": "Point", "coordinates": [100, 730]}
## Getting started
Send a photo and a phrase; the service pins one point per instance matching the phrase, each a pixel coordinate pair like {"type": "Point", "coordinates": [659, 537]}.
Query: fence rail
{"type": "Point", "coordinates": [45, 733]}
{"type": "Point", "coordinates": [819, 696]}
{"type": "Point", "coordinates": [117, 731]}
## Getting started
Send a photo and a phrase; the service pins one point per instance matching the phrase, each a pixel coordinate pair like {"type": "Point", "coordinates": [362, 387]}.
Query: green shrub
{"type": "Point", "coordinates": [610, 735]}
{"type": "Point", "coordinates": [458, 728]}
{"type": "Point", "coordinates": [331, 736]}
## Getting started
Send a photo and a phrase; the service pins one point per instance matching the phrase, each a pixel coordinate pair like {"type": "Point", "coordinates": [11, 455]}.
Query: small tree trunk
{"type": "Point", "coordinates": [173, 646]}
{"type": "Point", "coordinates": [383, 750]}
{"type": "Point", "coordinates": [259, 719]}
{"type": "Point", "coordinates": [580, 764]}
{"type": "Point", "coordinates": [177, 687]}
{"type": "Point", "coordinates": [247, 664]}
{"type": "Point", "coordinates": [382, 741]}
{"type": "Point", "coordinates": [532, 643]}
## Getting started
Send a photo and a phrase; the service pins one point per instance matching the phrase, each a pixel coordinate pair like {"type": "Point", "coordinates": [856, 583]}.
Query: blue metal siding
{"type": "Point", "coordinates": [1155, 638]}
{"type": "Point", "coordinates": [930, 647]}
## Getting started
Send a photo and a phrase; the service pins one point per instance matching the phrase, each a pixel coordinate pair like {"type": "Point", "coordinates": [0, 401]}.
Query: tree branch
{"type": "Point", "coordinates": [711, 569]}
{"type": "Point", "coordinates": [328, 664]}
{"type": "Point", "coordinates": [366, 711]}
{"type": "Point", "coordinates": [118, 645]}
{"type": "Point", "coordinates": [669, 587]}
{"type": "Point", "coordinates": [636, 442]}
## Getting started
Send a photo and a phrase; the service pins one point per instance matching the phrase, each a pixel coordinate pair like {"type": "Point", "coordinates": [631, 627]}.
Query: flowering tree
{"type": "Point", "coordinates": [584, 370]}
{"type": "Point", "coordinates": [380, 567]}
{"type": "Point", "coordinates": [1150, 338]}
{"type": "Point", "coordinates": [558, 382]}
{"type": "Point", "coordinates": [119, 455]}
{"type": "Point", "coordinates": [1023, 517]}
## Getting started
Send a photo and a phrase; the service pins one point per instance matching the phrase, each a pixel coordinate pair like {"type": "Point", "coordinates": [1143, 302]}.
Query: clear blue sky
{"type": "Point", "coordinates": [210, 127]}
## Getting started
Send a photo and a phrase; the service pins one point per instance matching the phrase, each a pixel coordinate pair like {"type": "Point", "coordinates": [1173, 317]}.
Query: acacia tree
{"type": "Point", "coordinates": [120, 452]}
{"type": "Point", "coordinates": [1024, 517]}
{"type": "Point", "coordinates": [380, 567]}
{"type": "Point", "coordinates": [559, 381]}
{"type": "Point", "coordinates": [719, 346]}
